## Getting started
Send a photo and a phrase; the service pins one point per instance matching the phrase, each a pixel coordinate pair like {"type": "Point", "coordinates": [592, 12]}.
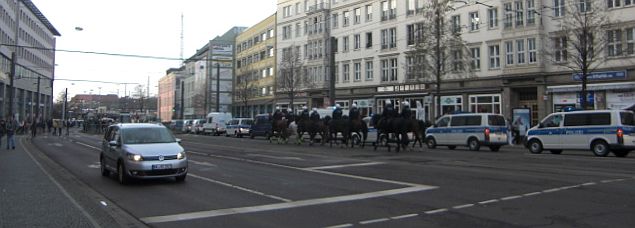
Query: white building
{"type": "Point", "coordinates": [25, 31]}
{"type": "Point", "coordinates": [511, 45]}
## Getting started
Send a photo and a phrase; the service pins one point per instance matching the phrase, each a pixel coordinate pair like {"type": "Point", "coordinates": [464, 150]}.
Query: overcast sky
{"type": "Point", "coordinates": [137, 27]}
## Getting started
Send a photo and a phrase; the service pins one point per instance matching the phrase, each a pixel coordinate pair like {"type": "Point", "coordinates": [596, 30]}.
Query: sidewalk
{"type": "Point", "coordinates": [30, 197]}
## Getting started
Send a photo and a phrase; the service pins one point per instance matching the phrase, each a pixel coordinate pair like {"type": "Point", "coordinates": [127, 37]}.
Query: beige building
{"type": "Point", "coordinates": [169, 100]}
{"type": "Point", "coordinates": [255, 69]}
{"type": "Point", "coordinates": [514, 47]}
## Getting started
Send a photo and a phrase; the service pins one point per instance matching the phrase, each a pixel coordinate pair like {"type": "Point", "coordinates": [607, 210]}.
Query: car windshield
{"type": "Point", "coordinates": [247, 122]}
{"type": "Point", "coordinates": [147, 135]}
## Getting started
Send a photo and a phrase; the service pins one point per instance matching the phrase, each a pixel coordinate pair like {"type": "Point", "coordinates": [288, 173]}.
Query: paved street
{"type": "Point", "coordinates": [242, 182]}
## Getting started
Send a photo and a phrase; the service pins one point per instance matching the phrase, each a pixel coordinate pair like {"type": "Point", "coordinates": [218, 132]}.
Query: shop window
{"type": "Point", "coordinates": [485, 104]}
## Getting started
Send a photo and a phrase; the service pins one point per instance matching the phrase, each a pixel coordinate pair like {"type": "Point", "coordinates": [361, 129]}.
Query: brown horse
{"type": "Point", "coordinates": [280, 131]}
{"type": "Point", "coordinates": [318, 127]}
{"type": "Point", "coordinates": [359, 127]}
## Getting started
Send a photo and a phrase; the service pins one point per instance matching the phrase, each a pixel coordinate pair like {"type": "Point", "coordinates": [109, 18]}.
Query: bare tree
{"type": "Point", "coordinates": [245, 86]}
{"type": "Point", "coordinates": [581, 44]}
{"type": "Point", "coordinates": [438, 52]}
{"type": "Point", "coordinates": [291, 76]}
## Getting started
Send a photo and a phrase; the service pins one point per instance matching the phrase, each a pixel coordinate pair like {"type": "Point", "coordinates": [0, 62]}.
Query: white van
{"type": "Point", "coordinates": [216, 123]}
{"type": "Point", "coordinates": [238, 127]}
{"type": "Point", "coordinates": [468, 129]}
{"type": "Point", "coordinates": [601, 131]}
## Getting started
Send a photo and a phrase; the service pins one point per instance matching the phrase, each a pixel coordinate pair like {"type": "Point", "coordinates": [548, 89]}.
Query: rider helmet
{"type": "Point", "coordinates": [314, 109]}
{"type": "Point", "coordinates": [277, 107]}
{"type": "Point", "coordinates": [304, 107]}
{"type": "Point", "coordinates": [354, 105]}
{"type": "Point", "coordinates": [337, 106]}
{"type": "Point", "coordinates": [388, 102]}
{"type": "Point", "coordinates": [405, 103]}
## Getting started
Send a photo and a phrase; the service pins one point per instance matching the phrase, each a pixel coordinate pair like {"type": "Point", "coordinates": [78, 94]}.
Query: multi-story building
{"type": "Point", "coordinates": [27, 33]}
{"type": "Point", "coordinates": [511, 45]}
{"type": "Point", "coordinates": [255, 69]}
{"type": "Point", "coordinates": [210, 73]}
{"type": "Point", "coordinates": [169, 100]}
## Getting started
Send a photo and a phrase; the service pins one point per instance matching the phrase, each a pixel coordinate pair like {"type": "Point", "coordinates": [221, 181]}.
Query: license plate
{"type": "Point", "coordinates": [162, 166]}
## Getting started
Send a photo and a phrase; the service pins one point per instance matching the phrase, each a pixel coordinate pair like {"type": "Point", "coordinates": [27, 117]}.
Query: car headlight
{"type": "Point", "coordinates": [180, 155]}
{"type": "Point", "coordinates": [135, 157]}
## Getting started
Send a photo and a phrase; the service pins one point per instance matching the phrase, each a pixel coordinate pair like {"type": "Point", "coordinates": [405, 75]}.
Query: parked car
{"type": "Point", "coordinates": [238, 127]}
{"type": "Point", "coordinates": [197, 126]}
{"type": "Point", "coordinates": [215, 123]}
{"type": "Point", "coordinates": [261, 127]}
{"type": "Point", "coordinates": [601, 131]}
{"type": "Point", "coordinates": [142, 151]}
{"type": "Point", "coordinates": [468, 129]}
{"type": "Point", "coordinates": [187, 126]}
{"type": "Point", "coordinates": [176, 126]}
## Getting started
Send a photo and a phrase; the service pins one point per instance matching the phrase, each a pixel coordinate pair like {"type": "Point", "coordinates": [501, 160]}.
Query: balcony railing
{"type": "Point", "coordinates": [319, 6]}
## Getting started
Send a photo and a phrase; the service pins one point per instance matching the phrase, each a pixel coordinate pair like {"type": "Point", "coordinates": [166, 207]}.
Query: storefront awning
{"type": "Point", "coordinates": [591, 87]}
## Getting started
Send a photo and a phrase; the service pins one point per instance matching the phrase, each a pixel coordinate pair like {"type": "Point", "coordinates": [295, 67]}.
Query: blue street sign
{"type": "Point", "coordinates": [601, 75]}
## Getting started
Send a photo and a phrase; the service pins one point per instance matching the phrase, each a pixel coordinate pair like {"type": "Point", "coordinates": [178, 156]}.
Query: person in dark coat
{"type": "Point", "coordinates": [337, 112]}
{"type": "Point", "coordinates": [315, 116]}
{"type": "Point", "coordinates": [405, 112]}
{"type": "Point", "coordinates": [353, 113]}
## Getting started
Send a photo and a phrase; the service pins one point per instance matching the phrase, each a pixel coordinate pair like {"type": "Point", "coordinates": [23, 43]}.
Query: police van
{"type": "Point", "coordinates": [601, 131]}
{"type": "Point", "coordinates": [468, 129]}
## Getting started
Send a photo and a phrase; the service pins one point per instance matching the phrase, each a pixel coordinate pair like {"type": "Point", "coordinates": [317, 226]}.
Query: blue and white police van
{"type": "Point", "coordinates": [601, 131]}
{"type": "Point", "coordinates": [468, 129]}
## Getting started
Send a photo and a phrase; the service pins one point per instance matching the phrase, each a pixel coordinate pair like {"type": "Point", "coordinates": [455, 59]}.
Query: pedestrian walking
{"type": "Point", "coordinates": [34, 128]}
{"type": "Point", "coordinates": [11, 127]}
{"type": "Point", "coordinates": [3, 130]}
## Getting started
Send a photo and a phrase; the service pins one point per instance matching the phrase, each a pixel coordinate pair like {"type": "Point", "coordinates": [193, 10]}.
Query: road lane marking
{"type": "Point", "coordinates": [314, 171]}
{"type": "Point", "coordinates": [373, 221]}
{"type": "Point", "coordinates": [488, 201]}
{"type": "Point", "coordinates": [551, 190]}
{"type": "Point", "coordinates": [344, 166]}
{"type": "Point", "coordinates": [201, 163]}
{"type": "Point", "coordinates": [436, 211]}
{"type": "Point", "coordinates": [404, 216]}
{"type": "Point", "coordinates": [275, 157]}
{"type": "Point", "coordinates": [463, 206]}
{"type": "Point", "coordinates": [510, 198]}
{"type": "Point", "coordinates": [86, 145]}
{"type": "Point", "coordinates": [588, 184]}
{"type": "Point", "coordinates": [340, 226]}
{"type": "Point", "coordinates": [278, 206]}
{"type": "Point", "coordinates": [532, 194]}
{"type": "Point", "coordinates": [239, 188]}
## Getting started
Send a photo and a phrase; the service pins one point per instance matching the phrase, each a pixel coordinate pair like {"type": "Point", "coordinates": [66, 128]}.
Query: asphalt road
{"type": "Point", "coordinates": [242, 182]}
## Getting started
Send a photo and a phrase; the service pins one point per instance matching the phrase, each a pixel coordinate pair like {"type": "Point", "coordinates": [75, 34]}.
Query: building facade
{"type": "Point", "coordinates": [25, 31]}
{"type": "Point", "coordinates": [510, 45]}
{"type": "Point", "coordinates": [169, 100]}
{"type": "Point", "coordinates": [210, 74]}
{"type": "Point", "coordinates": [255, 69]}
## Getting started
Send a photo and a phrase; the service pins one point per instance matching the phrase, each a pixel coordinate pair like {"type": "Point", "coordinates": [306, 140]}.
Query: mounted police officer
{"type": "Point", "coordinates": [337, 112]}
{"type": "Point", "coordinates": [305, 112]}
{"type": "Point", "coordinates": [389, 110]}
{"type": "Point", "coordinates": [353, 113]}
{"type": "Point", "coordinates": [405, 112]}
{"type": "Point", "coordinates": [315, 116]}
{"type": "Point", "coordinates": [277, 115]}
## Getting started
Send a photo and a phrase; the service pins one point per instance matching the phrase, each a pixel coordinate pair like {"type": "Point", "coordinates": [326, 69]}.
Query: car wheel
{"type": "Point", "coordinates": [535, 147]}
{"type": "Point", "coordinates": [494, 148]}
{"type": "Point", "coordinates": [600, 148]}
{"type": "Point", "coordinates": [621, 153]}
{"type": "Point", "coordinates": [431, 143]}
{"type": "Point", "coordinates": [451, 147]}
{"type": "Point", "coordinates": [104, 172]}
{"type": "Point", "coordinates": [473, 144]}
{"type": "Point", "coordinates": [180, 178]}
{"type": "Point", "coordinates": [122, 176]}
{"type": "Point", "coordinates": [556, 151]}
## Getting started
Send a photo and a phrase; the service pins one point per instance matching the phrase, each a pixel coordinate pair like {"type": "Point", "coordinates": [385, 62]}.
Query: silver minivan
{"type": "Point", "coordinates": [142, 151]}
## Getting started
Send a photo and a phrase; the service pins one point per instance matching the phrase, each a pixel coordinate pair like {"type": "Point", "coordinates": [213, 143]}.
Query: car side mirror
{"type": "Point", "coordinates": [178, 141]}
{"type": "Point", "coordinates": [113, 143]}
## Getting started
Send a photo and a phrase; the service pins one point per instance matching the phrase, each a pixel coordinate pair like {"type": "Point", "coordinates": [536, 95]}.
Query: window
{"type": "Point", "coordinates": [509, 52]}
{"type": "Point", "coordinates": [494, 58]}
{"type": "Point", "coordinates": [490, 103]}
{"type": "Point", "coordinates": [474, 21]}
{"type": "Point", "coordinates": [443, 122]}
{"type": "Point", "coordinates": [286, 11]}
{"type": "Point", "coordinates": [558, 8]}
{"type": "Point", "coordinates": [358, 71]}
{"type": "Point", "coordinates": [520, 47]}
{"type": "Point", "coordinates": [456, 23]}
{"type": "Point", "coordinates": [508, 15]}
{"type": "Point", "coordinates": [476, 58]}
{"type": "Point", "coordinates": [345, 72]}
{"type": "Point", "coordinates": [358, 15]}
{"type": "Point", "coordinates": [357, 40]}
{"type": "Point", "coordinates": [389, 70]}
{"type": "Point", "coordinates": [519, 13]}
{"type": "Point", "coordinates": [369, 12]}
{"type": "Point", "coordinates": [616, 3]}
{"type": "Point", "coordinates": [286, 32]}
{"type": "Point", "coordinates": [493, 17]}
{"type": "Point", "coordinates": [493, 120]}
{"type": "Point", "coordinates": [345, 44]}
{"type": "Point", "coordinates": [458, 121]}
{"type": "Point", "coordinates": [369, 40]}
{"type": "Point", "coordinates": [369, 70]}
{"type": "Point", "coordinates": [388, 36]}
{"type": "Point", "coordinates": [393, 9]}
{"type": "Point", "coordinates": [297, 30]}
{"type": "Point", "coordinates": [630, 42]}
{"type": "Point", "coordinates": [531, 47]}
{"type": "Point", "coordinates": [584, 6]}
{"type": "Point", "coordinates": [335, 45]}
{"type": "Point", "coordinates": [457, 63]}
{"type": "Point", "coordinates": [585, 119]}
{"type": "Point", "coordinates": [345, 18]}
{"type": "Point", "coordinates": [393, 69]}
{"type": "Point", "coordinates": [614, 42]}
{"type": "Point", "coordinates": [552, 121]}
{"type": "Point", "coordinates": [627, 118]}
{"type": "Point", "coordinates": [411, 7]}
{"type": "Point", "coordinates": [393, 37]}
{"type": "Point", "coordinates": [297, 8]}
{"type": "Point", "coordinates": [385, 70]}
{"type": "Point", "coordinates": [560, 44]}
{"type": "Point", "coordinates": [384, 10]}
{"type": "Point", "coordinates": [531, 12]}
{"type": "Point", "coordinates": [334, 17]}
